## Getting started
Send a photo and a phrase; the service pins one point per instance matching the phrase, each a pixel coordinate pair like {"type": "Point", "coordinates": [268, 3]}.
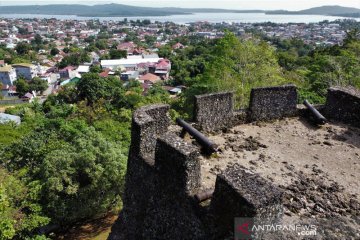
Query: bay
{"type": "Point", "coordinates": [209, 17]}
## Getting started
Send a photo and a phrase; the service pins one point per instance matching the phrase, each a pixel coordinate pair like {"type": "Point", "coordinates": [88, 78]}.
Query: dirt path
{"type": "Point", "coordinates": [98, 229]}
{"type": "Point", "coordinates": [3, 108]}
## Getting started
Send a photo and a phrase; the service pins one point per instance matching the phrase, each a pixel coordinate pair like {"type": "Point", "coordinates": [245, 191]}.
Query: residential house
{"type": "Point", "coordinates": [25, 70]}
{"type": "Point", "coordinates": [139, 51]}
{"type": "Point", "coordinates": [83, 69]}
{"type": "Point", "coordinates": [105, 72]}
{"type": "Point", "coordinates": [150, 78]}
{"type": "Point", "coordinates": [143, 68]}
{"type": "Point", "coordinates": [50, 78]}
{"type": "Point", "coordinates": [8, 91]}
{"type": "Point", "coordinates": [162, 68]}
{"type": "Point", "coordinates": [127, 46]}
{"type": "Point", "coordinates": [151, 55]}
{"type": "Point", "coordinates": [177, 46]}
{"type": "Point", "coordinates": [7, 75]}
{"type": "Point", "coordinates": [128, 63]}
{"type": "Point", "coordinates": [68, 72]}
{"type": "Point", "coordinates": [29, 97]}
{"type": "Point", "coordinates": [173, 90]}
{"type": "Point", "coordinates": [129, 75]}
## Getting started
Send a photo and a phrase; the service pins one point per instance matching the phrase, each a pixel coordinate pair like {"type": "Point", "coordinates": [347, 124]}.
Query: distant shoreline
{"type": "Point", "coordinates": [120, 10]}
{"type": "Point", "coordinates": [349, 15]}
{"type": "Point", "coordinates": [191, 18]}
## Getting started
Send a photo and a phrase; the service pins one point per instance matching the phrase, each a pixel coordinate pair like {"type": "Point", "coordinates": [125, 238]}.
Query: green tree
{"type": "Point", "coordinates": [37, 40]}
{"type": "Point", "coordinates": [165, 51]}
{"type": "Point", "coordinates": [23, 48]}
{"type": "Point", "coordinates": [101, 44]}
{"type": "Point", "coordinates": [239, 66]}
{"type": "Point", "coordinates": [38, 85]}
{"type": "Point", "coordinates": [95, 69]}
{"type": "Point", "coordinates": [54, 51]}
{"type": "Point", "coordinates": [150, 40]}
{"type": "Point", "coordinates": [20, 215]}
{"type": "Point", "coordinates": [77, 173]}
{"type": "Point", "coordinates": [76, 58]}
{"type": "Point", "coordinates": [117, 54]}
{"type": "Point", "coordinates": [93, 88]}
{"type": "Point", "coordinates": [22, 86]}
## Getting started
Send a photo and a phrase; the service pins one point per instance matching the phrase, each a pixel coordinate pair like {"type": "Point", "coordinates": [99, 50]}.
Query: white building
{"type": "Point", "coordinates": [127, 63]}
{"type": "Point", "coordinates": [83, 69]}
{"type": "Point", "coordinates": [7, 75]}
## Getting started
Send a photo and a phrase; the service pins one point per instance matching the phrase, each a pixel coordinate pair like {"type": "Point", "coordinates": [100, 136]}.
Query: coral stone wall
{"type": "Point", "coordinates": [343, 104]}
{"type": "Point", "coordinates": [273, 102]}
{"type": "Point", "coordinates": [241, 193]}
{"type": "Point", "coordinates": [214, 111]}
{"type": "Point", "coordinates": [147, 123]}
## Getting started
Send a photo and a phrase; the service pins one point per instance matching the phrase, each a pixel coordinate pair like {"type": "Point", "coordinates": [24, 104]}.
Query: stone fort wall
{"type": "Point", "coordinates": [163, 172]}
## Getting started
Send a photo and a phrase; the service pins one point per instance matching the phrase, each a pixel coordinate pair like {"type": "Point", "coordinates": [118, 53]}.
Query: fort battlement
{"type": "Point", "coordinates": [164, 172]}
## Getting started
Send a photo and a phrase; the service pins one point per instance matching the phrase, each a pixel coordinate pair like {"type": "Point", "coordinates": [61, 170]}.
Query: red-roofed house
{"type": "Point", "coordinates": [143, 68]}
{"type": "Point", "coordinates": [105, 72]}
{"type": "Point", "coordinates": [127, 46]}
{"type": "Point", "coordinates": [162, 68]}
{"type": "Point", "coordinates": [150, 78]}
{"type": "Point", "coordinates": [178, 46]}
{"type": "Point", "coordinates": [8, 91]}
{"type": "Point", "coordinates": [138, 51]}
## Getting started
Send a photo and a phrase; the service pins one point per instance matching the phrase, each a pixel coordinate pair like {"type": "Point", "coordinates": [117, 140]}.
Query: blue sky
{"type": "Point", "coordinates": [228, 4]}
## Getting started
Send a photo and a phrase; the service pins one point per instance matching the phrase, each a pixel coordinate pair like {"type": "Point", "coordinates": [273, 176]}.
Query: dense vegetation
{"type": "Point", "coordinates": [239, 65]}
{"type": "Point", "coordinates": [36, 84]}
{"type": "Point", "coordinates": [66, 162]}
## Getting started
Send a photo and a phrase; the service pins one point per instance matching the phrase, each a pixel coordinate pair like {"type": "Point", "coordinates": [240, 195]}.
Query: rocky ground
{"type": "Point", "coordinates": [317, 167]}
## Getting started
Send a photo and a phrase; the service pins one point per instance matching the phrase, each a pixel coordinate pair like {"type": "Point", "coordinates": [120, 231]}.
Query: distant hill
{"type": "Point", "coordinates": [107, 10]}
{"type": "Point", "coordinates": [214, 10]}
{"type": "Point", "coordinates": [120, 10]}
{"type": "Point", "coordinates": [324, 10]}
{"type": "Point", "coordinates": [91, 11]}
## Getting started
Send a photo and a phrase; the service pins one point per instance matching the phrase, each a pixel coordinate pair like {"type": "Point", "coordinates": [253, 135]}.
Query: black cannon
{"type": "Point", "coordinates": [319, 118]}
{"type": "Point", "coordinates": [203, 196]}
{"type": "Point", "coordinates": [208, 146]}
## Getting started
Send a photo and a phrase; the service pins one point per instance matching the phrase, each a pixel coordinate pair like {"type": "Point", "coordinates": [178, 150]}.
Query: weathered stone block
{"type": "Point", "coordinates": [343, 104]}
{"type": "Point", "coordinates": [273, 102]}
{"type": "Point", "coordinates": [177, 164]}
{"type": "Point", "coordinates": [148, 122]}
{"type": "Point", "coordinates": [240, 193]}
{"type": "Point", "coordinates": [214, 111]}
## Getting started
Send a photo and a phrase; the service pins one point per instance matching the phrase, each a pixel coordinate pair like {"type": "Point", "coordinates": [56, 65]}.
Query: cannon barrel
{"type": "Point", "coordinates": [320, 119]}
{"type": "Point", "coordinates": [205, 195]}
{"type": "Point", "coordinates": [208, 146]}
